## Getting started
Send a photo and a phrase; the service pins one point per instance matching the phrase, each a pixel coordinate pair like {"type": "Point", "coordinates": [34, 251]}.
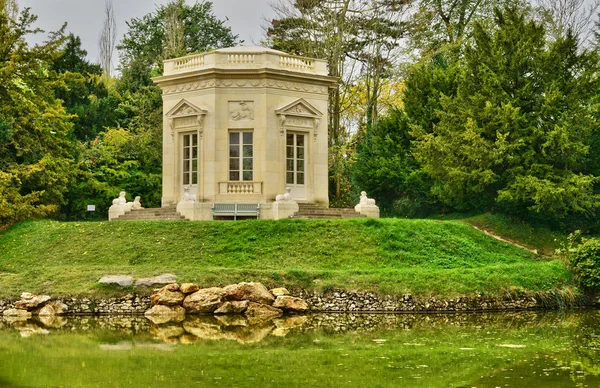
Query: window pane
{"type": "Point", "coordinates": [194, 165]}
{"type": "Point", "coordinates": [234, 138]}
{"type": "Point", "coordinates": [301, 165]}
{"type": "Point", "coordinates": [234, 164]}
{"type": "Point", "coordinates": [300, 140]}
{"type": "Point", "coordinates": [186, 179]}
{"type": "Point", "coordinates": [247, 164]}
{"type": "Point", "coordinates": [289, 140]}
{"type": "Point", "coordinates": [289, 178]}
{"type": "Point", "coordinates": [194, 139]}
{"type": "Point", "coordinates": [300, 178]}
{"type": "Point", "coordinates": [195, 153]}
{"type": "Point", "coordinates": [186, 153]}
{"type": "Point", "coordinates": [290, 165]}
{"type": "Point", "coordinates": [195, 179]}
{"type": "Point", "coordinates": [289, 152]}
{"type": "Point", "coordinates": [300, 151]}
{"type": "Point", "coordinates": [234, 151]}
{"type": "Point", "coordinates": [247, 175]}
{"type": "Point", "coordinates": [247, 137]}
{"type": "Point", "coordinates": [234, 175]}
{"type": "Point", "coordinates": [186, 166]}
{"type": "Point", "coordinates": [186, 141]}
{"type": "Point", "coordinates": [248, 151]}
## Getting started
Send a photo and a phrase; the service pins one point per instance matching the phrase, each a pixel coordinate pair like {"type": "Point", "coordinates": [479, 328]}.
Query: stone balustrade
{"type": "Point", "coordinates": [238, 57]}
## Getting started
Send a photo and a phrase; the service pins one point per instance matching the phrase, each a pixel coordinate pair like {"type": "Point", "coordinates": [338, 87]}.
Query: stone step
{"type": "Point", "coordinates": [153, 214]}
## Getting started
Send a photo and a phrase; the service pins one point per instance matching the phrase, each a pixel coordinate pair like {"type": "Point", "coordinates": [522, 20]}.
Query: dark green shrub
{"type": "Point", "coordinates": [585, 262]}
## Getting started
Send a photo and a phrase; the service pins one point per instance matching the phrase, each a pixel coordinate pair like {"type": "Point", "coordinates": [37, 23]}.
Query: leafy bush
{"type": "Point", "coordinates": [585, 262]}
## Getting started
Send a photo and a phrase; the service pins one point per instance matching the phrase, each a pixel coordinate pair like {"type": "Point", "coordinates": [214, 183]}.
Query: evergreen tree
{"type": "Point", "coordinates": [35, 154]}
{"type": "Point", "coordinates": [516, 135]}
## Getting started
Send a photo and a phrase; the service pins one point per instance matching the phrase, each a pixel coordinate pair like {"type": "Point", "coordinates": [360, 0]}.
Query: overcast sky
{"type": "Point", "coordinates": [85, 17]}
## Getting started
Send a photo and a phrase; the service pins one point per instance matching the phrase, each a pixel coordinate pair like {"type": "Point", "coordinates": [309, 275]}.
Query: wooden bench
{"type": "Point", "coordinates": [236, 209]}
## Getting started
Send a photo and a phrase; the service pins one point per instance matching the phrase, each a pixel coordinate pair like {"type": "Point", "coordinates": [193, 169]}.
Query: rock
{"type": "Point", "coordinates": [121, 280]}
{"type": "Point", "coordinates": [17, 313]}
{"type": "Point", "coordinates": [233, 307]}
{"type": "Point", "coordinates": [31, 302]}
{"type": "Point", "coordinates": [253, 292]}
{"type": "Point", "coordinates": [166, 297]}
{"type": "Point", "coordinates": [257, 312]}
{"type": "Point", "coordinates": [290, 303]}
{"type": "Point", "coordinates": [206, 300]}
{"type": "Point", "coordinates": [279, 292]}
{"type": "Point", "coordinates": [159, 280]}
{"type": "Point", "coordinates": [189, 288]}
{"type": "Point", "coordinates": [46, 311]}
{"type": "Point", "coordinates": [162, 310]}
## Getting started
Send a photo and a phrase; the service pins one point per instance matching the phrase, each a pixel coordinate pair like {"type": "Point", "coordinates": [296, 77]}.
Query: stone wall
{"type": "Point", "coordinates": [338, 301]}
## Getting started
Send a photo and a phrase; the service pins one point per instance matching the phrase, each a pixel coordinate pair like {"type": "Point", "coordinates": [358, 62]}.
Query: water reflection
{"type": "Point", "coordinates": [482, 350]}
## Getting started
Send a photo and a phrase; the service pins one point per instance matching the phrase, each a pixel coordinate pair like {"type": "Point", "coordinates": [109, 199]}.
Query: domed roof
{"type": "Point", "coordinates": [249, 50]}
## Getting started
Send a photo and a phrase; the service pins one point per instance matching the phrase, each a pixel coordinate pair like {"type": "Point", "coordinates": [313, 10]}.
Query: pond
{"type": "Point", "coordinates": [549, 349]}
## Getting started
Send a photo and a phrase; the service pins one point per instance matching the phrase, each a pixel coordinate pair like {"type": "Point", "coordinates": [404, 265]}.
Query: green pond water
{"type": "Point", "coordinates": [526, 349]}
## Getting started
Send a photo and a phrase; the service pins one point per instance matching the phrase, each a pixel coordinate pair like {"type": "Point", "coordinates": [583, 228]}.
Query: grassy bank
{"type": "Point", "coordinates": [422, 257]}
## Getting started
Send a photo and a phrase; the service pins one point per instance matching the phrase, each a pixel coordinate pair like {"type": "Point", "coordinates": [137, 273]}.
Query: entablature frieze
{"type": "Point", "coordinates": [246, 82]}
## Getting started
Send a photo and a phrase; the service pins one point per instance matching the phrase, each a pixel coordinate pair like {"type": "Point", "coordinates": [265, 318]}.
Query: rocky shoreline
{"type": "Point", "coordinates": [337, 301]}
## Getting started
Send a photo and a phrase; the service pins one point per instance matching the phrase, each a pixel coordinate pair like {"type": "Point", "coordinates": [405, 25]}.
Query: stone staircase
{"type": "Point", "coordinates": [312, 211]}
{"type": "Point", "coordinates": [151, 214]}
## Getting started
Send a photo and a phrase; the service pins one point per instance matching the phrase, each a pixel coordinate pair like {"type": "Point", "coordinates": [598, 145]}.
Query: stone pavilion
{"type": "Point", "coordinates": [240, 125]}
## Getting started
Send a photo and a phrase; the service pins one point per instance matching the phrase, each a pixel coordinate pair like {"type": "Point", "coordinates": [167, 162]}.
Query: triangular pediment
{"type": "Point", "coordinates": [299, 107]}
{"type": "Point", "coordinates": [185, 108]}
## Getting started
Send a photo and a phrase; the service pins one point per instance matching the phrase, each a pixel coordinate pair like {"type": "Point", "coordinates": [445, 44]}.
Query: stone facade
{"type": "Point", "coordinates": [242, 124]}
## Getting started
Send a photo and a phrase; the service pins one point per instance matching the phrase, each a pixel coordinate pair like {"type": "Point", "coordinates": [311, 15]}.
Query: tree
{"type": "Point", "coordinates": [10, 8]}
{"type": "Point", "coordinates": [159, 35]}
{"type": "Point", "coordinates": [108, 38]}
{"type": "Point", "coordinates": [35, 154]}
{"type": "Point", "coordinates": [517, 133]}
{"type": "Point", "coordinates": [359, 40]}
{"type": "Point", "coordinates": [86, 94]}
{"type": "Point", "coordinates": [447, 24]}
{"type": "Point", "coordinates": [569, 16]}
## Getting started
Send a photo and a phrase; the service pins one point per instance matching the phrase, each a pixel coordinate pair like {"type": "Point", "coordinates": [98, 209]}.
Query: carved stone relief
{"type": "Point", "coordinates": [241, 110]}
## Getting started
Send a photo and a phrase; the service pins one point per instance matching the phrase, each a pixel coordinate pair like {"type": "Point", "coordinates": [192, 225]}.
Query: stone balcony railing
{"type": "Point", "coordinates": [228, 59]}
{"type": "Point", "coordinates": [237, 187]}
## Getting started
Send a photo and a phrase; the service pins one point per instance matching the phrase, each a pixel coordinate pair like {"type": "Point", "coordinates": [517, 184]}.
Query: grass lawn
{"type": "Point", "coordinates": [422, 257]}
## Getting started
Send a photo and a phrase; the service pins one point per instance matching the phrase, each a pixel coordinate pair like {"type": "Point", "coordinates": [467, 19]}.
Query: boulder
{"type": "Point", "coordinates": [233, 307]}
{"type": "Point", "coordinates": [290, 303]}
{"type": "Point", "coordinates": [206, 300]}
{"type": "Point", "coordinates": [46, 311]}
{"type": "Point", "coordinates": [59, 308]}
{"type": "Point", "coordinates": [121, 280]}
{"type": "Point", "coordinates": [253, 292]}
{"type": "Point", "coordinates": [279, 292]}
{"type": "Point", "coordinates": [31, 302]}
{"type": "Point", "coordinates": [257, 312]}
{"type": "Point", "coordinates": [167, 296]}
{"type": "Point", "coordinates": [159, 280]}
{"type": "Point", "coordinates": [162, 310]}
{"type": "Point", "coordinates": [189, 288]}
{"type": "Point", "coordinates": [17, 313]}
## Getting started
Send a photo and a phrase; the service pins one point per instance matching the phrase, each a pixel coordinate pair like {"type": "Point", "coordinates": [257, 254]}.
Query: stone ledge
{"type": "Point", "coordinates": [338, 301]}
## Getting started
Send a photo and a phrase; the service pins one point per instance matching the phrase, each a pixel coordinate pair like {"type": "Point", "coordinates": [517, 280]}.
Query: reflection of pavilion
{"type": "Point", "coordinates": [242, 124]}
